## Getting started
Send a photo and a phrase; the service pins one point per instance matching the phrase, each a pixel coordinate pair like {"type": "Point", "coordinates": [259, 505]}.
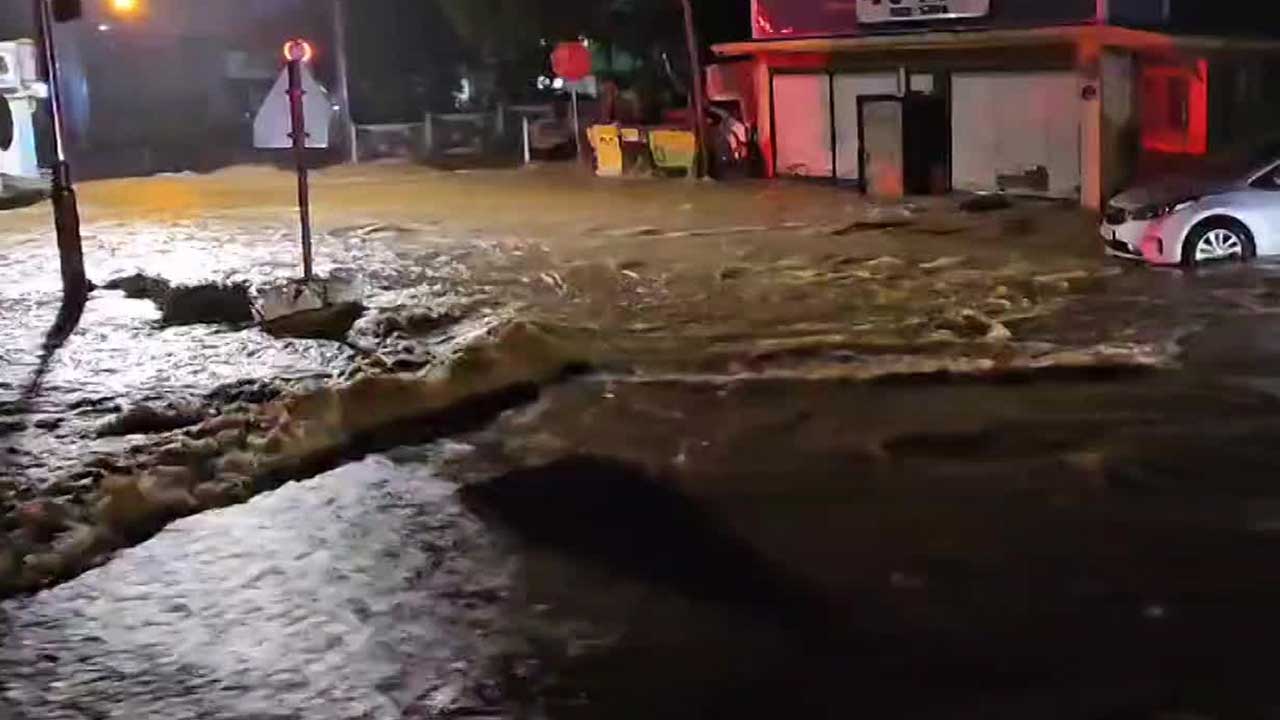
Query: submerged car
{"type": "Point", "coordinates": [1224, 213]}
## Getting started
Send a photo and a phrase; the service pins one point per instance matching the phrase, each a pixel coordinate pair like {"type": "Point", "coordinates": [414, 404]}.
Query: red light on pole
{"type": "Point", "coordinates": [298, 50]}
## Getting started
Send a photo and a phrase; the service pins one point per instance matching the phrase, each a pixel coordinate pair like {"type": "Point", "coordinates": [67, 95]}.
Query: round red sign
{"type": "Point", "coordinates": [571, 61]}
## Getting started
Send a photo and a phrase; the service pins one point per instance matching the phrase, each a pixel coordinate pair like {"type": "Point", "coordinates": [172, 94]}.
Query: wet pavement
{"type": "Point", "coordinates": [940, 466]}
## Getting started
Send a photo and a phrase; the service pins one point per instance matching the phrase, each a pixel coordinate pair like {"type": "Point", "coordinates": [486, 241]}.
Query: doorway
{"type": "Point", "coordinates": [905, 145]}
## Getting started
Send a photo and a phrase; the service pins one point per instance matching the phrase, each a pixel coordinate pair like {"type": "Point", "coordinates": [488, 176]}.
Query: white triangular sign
{"type": "Point", "coordinates": [273, 125]}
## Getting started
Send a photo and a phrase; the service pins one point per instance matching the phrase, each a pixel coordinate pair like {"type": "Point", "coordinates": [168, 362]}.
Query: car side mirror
{"type": "Point", "coordinates": [67, 10]}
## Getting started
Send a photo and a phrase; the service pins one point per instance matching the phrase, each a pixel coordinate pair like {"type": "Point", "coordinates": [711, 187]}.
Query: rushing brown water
{"type": "Point", "coordinates": [800, 482]}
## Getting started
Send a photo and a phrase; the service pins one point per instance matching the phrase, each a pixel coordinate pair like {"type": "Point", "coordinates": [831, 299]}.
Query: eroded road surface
{"type": "Point", "coordinates": [816, 459]}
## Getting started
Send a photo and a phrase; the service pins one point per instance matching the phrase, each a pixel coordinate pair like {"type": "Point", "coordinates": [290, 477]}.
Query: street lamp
{"type": "Point", "coordinates": [66, 214]}
{"type": "Point", "coordinates": [125, 7]}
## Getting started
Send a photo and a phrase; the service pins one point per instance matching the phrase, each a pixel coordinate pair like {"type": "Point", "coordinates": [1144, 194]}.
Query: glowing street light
{"type": "Point", "coordinates": [125, 7]}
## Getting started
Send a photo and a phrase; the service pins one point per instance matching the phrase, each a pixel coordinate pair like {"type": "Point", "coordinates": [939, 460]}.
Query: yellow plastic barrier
{"type": "Point", "coordinates": [608, 146]}
{"type": "Point", "coordinates": [673, 149]}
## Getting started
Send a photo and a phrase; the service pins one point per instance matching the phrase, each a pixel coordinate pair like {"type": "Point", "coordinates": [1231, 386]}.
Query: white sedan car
{"type": "Point", "coordinates": [1192, 221]}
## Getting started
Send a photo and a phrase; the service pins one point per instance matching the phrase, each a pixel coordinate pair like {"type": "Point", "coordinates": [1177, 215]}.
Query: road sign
{"type": "Point", "coordinates": [571, 61]}
{"type": "Point", "coordinates": [272, 128]}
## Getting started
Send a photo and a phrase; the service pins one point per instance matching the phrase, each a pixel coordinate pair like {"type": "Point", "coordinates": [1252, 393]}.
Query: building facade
{"type": "Point", "coordinates": [1067, 99]}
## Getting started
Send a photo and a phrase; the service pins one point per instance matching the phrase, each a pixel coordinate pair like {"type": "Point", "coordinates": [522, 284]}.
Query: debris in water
{"type": "Point", "coordinates": [331, 322]}
{"type": "Point", "coordinates": [943, 263]}
{"type": "Point", "coordinates": [884, 265]}
{"type": "Point", "coordinates": [147, 419]}
{"type": "Point", "coordinates": [209, 304]}
{"type": "Point", "coordinates": [868, 226]}
{"type": "Point", "coordinates": [641, 231]}
{"type": "Point", "coordinates": [1071, 281]}
{"type": "Point", "coordinates": [732, 272]}
{"type": "Point", "coordinates": [11, 426]}
{"type": "Point", "coordinates": [140, 287]}
{"type": "Point", "coordinates": [555, 282]}
{"type": "Point", "coordinates": [986, 202]}
{"type": "Point", "coordinates": [302, 296]}
{"type": "Point", "coordinates": [970, 324]}
{"type": "Point", "coordinates": [254, 391]}
{"type": "Point", "coordinates": [377, 327]}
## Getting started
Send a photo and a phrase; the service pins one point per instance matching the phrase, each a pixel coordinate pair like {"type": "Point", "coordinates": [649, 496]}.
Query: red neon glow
{"type": "Point", "coordinates": [1175, 109]}
{"type": "Point", "coordinates": [298, 50]}
{"type": "Point", "coordinates": [765, 26]}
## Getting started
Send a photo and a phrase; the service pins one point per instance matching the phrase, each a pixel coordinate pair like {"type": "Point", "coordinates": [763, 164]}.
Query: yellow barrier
{"type": "Point", "coordinates": [673, 149]}
{"type": "Point", "coordinates": [608, 146]}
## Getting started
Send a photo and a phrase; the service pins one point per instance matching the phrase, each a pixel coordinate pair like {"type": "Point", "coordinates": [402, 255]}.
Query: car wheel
{"type": "Point", "coordinates": [1217, 240]}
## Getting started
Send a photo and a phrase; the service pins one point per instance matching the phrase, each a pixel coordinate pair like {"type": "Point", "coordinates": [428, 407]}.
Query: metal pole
{"type": "Point", "coordinates": [577, 126]}
{"type": "Point", "coordinates": [344, 86]}
{"type": "Point", "coordinates": [528, 149]}
{"type": "Point", "coordinates": [66, 214]}
{"type": "Point", "coordinates": [699, 99]}
{"type": "Point", "coordinates": [299, 136]}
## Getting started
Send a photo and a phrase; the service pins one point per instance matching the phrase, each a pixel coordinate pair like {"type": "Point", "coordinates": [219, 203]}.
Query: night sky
{"type": "Point", "coordinates": [405, 54]}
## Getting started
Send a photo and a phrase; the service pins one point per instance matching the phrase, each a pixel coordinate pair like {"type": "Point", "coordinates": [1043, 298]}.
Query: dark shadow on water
{"type": "Point", "coordinates": [720, 630]}
{"type": "Point", "coordinates": [64, 325]}
{"type": "Point", "coordinates": [620, 517]}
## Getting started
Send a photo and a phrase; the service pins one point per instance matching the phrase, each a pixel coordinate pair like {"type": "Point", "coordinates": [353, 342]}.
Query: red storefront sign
{"type": "Point", "coordinates": [800, 18]}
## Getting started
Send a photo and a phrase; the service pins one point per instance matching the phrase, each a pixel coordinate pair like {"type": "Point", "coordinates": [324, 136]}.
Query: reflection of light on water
{"type": "Point", "coordinates": [120, 353]}
{"type": "Point", "coordinates": [344, 596]}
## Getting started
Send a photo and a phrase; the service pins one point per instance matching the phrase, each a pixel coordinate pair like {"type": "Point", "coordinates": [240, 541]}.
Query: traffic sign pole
{"type": "Point", "coordinates": [572, 62]}
{"type": "Point", "coordinates": [577, 128]}
{"type": "Point", "coordinates": [299, 135]}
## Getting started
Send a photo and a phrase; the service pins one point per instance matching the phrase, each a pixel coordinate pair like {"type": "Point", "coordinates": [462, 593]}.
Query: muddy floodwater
{"type": "Point", "coordinates": [816, 458]}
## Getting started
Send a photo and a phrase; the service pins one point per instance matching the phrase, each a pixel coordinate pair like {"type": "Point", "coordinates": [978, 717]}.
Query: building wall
{"type": "Point", "coordinates": [1121, 124]}
{"type": "Point", "coordinates": [773, 19]}
{"type": "Point", "coordinates": [1055, 140]}
{"type": "Point", "coordinates": [1020, 131]}
{"type": "Point", "coordinates": [816, 18]}
{"type": "Point", "coordinates": [1237, 112]}
{"type": "Point", "coordinates": [1139, 13]}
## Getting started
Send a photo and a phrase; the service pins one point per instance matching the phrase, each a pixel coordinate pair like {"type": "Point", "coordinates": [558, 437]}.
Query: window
{"type": "Point", "coordinates": [1269, 180]}
{"type": "Point", "coordinates": [1175, 108]}
{"type": "Point", "coordinates": [1178, 103]}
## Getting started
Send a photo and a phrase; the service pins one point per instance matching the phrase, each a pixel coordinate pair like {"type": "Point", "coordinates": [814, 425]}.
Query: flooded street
{"type": "Point", "coordinates": [632, 451]}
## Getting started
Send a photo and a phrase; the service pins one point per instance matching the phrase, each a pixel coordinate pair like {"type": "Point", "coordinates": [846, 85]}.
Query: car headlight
{"type": "Point", "coordinates": [1151, 212]}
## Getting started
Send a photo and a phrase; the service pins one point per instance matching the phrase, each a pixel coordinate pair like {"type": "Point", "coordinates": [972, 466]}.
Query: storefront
{"type": "Point", "coordinates": [959, 101]}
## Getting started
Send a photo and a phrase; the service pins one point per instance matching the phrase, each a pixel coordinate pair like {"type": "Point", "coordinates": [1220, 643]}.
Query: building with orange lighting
{"type": "Point", "coordinates": [1060, 98]}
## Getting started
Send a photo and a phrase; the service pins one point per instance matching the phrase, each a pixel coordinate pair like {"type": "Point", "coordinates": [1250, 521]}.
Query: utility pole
{"type": "Point", "coordinates": [696, 83]}
{"type": "Point", "coordinates": [344, 84]}
{"type": "Point", "coordinates": [66, 213]}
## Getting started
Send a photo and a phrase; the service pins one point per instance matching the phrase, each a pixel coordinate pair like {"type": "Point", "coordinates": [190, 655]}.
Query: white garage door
{"type": "Point", "coordinates": [802, 124]}
{"type": "Point", "coordinates": [1014, 124]}
{"type": "Point", "coordinates": [848, 89]}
